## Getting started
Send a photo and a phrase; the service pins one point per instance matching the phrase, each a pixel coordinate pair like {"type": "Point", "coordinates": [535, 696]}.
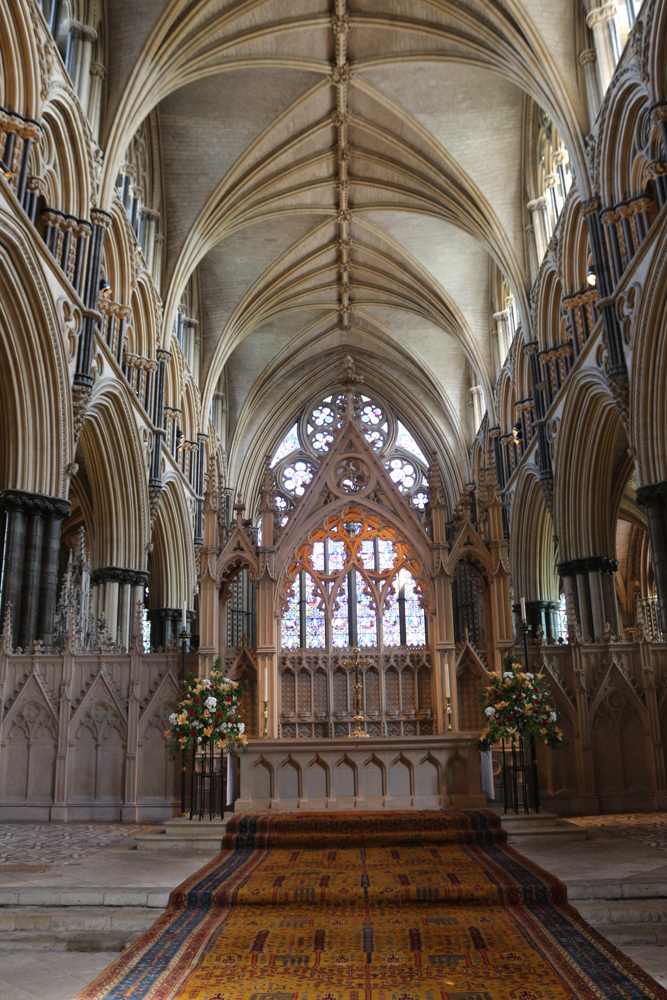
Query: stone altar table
{"type": "Point", "coordinates": [430, 772]}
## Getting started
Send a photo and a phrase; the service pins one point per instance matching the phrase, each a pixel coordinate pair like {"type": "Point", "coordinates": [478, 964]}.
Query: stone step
{"type": "Point", "coordinates": [522, 826]}
{"type": "Point", "coordinates": [184, 834]}
{"type": "Point", "coordinates": [77, 918]}
{"type": "Point", "coordinates": [73, 928]}
{"type": "Point", "coordinates": [112, 941]}
{"type": "Point", "coordinates": [613, 890]}
{"type": "Point", "coordinates": [634, 934]}
{"type": "Point", "coordinates": [614, 912]}
{"type": "Point", "coordinates": [154, 897]}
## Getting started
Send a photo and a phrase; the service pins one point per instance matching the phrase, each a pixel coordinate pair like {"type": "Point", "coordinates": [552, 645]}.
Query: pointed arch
{"type": "Point", "coordinates": [35, 401]}
{"type": "Point", "coordinates": [172, 559]}
{"type": "Point", "coordinates": [533, 553]}
{"type": "Point", "coordinates": [116, 465]}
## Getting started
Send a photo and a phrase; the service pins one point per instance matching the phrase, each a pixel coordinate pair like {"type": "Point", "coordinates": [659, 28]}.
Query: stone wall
{"type": "Point", "coordinates": [612, 704]}
{"type": "Point", "coordinates": [376, 773]}
{"type": "Point", "coordinates": [82, 736]}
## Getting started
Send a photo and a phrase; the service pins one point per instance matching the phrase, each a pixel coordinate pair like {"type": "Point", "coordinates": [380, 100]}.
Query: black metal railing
{"type": "Point", "coordinates": [208, 787]}
{"type": "Point", "coordinates": [520, 779]}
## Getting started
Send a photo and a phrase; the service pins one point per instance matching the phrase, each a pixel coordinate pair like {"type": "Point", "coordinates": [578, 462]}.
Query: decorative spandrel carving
{"type": "Point", "coordinates": [372, 693]}
{"type": "Point", "coordinates": [424, 689]}
{"type": "Point", "coordinates": [320, 693]}
{"type": "Point", "coordinates": [408, 691]}
{"type": "Point", "coordinates": [391, 691]}
{"type": "Point", "coordinates": [340, 693]}
{"type": "Point", "coordinates": [304, 688]}
{"type": "Point", "coordinates": [288, 694]}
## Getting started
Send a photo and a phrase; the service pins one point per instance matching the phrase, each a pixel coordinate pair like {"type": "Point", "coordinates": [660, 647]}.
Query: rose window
{"type": "Point", "coordinates": [295, 477]}
{"type": "Point", "coordinates": [298, 456]}
{"type": "Point", "coordinates": [403, 473]}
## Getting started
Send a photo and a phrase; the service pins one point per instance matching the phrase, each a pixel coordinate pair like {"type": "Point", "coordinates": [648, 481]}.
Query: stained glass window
{"type": "Point", "coordinates": [415, 631]}
{"type": "Point", "coordinates": [391, 620]}
{"type": "Point", "coordinates": [291, 624]}
{"type": "Point", "coordinates": [403, 473]}
{"type": "Point", "coordinates": [317, 557]}
{"type": "Point", "coordinates": [386, 554]}
{"type": "Point", "coordinates": [367, 633]}
{"type": "Point", "coordinates": [288, 444]}
{"type": "Point", "coordinates": [295, 477]}
{"type": "Point", "coordinates": [316, 623]}
{"type": "Point", "coordinates": [340, 620]}
{"type": "Point", "coordinates": [367, 553]}
{"type": "Point", "coordinates": [336, 555]}
{"type": "Point", "coordinates": [341, 589]}
{"type": "Point", "coordinates": [404, 439]}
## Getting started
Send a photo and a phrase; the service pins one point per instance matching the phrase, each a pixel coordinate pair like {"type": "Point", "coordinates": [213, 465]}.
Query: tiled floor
{"type": "Point", "coordinates": [40, 846]}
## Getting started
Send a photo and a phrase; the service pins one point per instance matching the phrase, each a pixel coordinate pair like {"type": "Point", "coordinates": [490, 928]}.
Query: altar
{"type": "Point", "coordinates": [347, 773]}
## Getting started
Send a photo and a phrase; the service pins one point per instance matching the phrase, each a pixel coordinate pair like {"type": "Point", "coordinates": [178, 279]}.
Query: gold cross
{"type": "Point", "coordinates": [358, 732]}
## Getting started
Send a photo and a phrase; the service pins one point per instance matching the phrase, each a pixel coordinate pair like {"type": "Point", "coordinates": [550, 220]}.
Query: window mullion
{"type": "Point", "coordinates": [352, 605]}
{"type": "Point", "coordinates": [302, 609]}
{"type": "Point", "coordinates": [401, 615]}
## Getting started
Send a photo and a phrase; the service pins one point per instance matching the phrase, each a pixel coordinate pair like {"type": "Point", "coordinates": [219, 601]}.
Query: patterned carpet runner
{"type": "Point", "coordinates": [371, 906]}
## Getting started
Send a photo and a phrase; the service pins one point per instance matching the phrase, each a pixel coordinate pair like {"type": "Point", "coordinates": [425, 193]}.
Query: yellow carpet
{"type": "Point", "coordinates": [371, 906]}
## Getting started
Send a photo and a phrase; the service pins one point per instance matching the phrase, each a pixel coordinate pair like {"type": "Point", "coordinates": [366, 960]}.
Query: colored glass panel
{"type": "Point", "coordinates": [402, 473]}
{"type": "Point", "coordinates": [295, 477]}
{"type": "Point", "coordinates": [387, 554]}
{"type": "Point", "coordinates": [367, 554]}
{"type": "Point", "coordinates": [415, 631]}
{"type": "Point", "coordinates": [340, 628]}
{"type": "Point", "coordinates": [288, 444]}
{"type": "Point", "coordinates": [336, 555]}
{"type": "Point", "coordinates": [391, 622]}
{"type": "Point", "coordinates": [404, 439]}
{"type": "Point", "coordinates": [367, 634]}
{"type": "Point", "coordinates": [291, 623]}
{"type": "Point", "coordinates": [316, 626]}
{"type": "Point", "coordinates": [317, 557]}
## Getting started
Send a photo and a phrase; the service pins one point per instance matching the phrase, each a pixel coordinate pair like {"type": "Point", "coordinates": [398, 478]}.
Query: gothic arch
{"type": "Point", "coordinates": [649, 374]}
{"type": "Point", "coordinates": [585, 458]}
{"type": "Point", "coordinates": [172, 559]}
{"type": "Point", "coordinates": [20, 72]}
{"type": "Point", "coordinates": [533, 554]}
{"type": "Point", "coordinates": [69, 173]}
{"type": "Point", "coordinates": [116, 469]}
{"type": "Point", "coordinates": [36, 411]}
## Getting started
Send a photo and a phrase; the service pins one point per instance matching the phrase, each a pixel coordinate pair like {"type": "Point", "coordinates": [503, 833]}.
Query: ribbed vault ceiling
{"type": "Point", "coordinates": [343, 175]}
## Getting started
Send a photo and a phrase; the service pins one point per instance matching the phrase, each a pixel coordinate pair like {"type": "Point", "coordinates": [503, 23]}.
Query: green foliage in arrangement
{"type": "Point", "coordinates": [208, 713]}
{"type": "Point", "coordinates": [518, 703]}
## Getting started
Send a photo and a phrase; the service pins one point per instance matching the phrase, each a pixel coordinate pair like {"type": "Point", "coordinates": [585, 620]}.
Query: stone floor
{"type": "Point", "coordinates": [617, 878]}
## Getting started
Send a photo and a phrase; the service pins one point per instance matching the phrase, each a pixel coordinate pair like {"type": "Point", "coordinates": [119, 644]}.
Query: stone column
{"type": "Point", "coordinates": [597, 603]}
{"type": "Point", "coordinates": [617, 374]}
{"type": "Point", "coordinates": [538, 209]}
{"type": "Point", "coordinates": [72, 52]}
{"type": "Point", "coordinates": [30, 563]}
{"type": "Point", "coordinates": [587, 61]}
{"type": "Point", "coordinates": [600, 21]}
{"type": "Point", "coordinates": [88, 39]}
{"type": "Point", "coordinates": [501, 331]}
{"type": "Point", "coordinates": [653, 496]}
{"type": "Point", "coordinates": [97, 76]}
{"type": "Point", "coordinates": [149, 227]}
{"type": "Point", "coordinates": [101, 222]}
